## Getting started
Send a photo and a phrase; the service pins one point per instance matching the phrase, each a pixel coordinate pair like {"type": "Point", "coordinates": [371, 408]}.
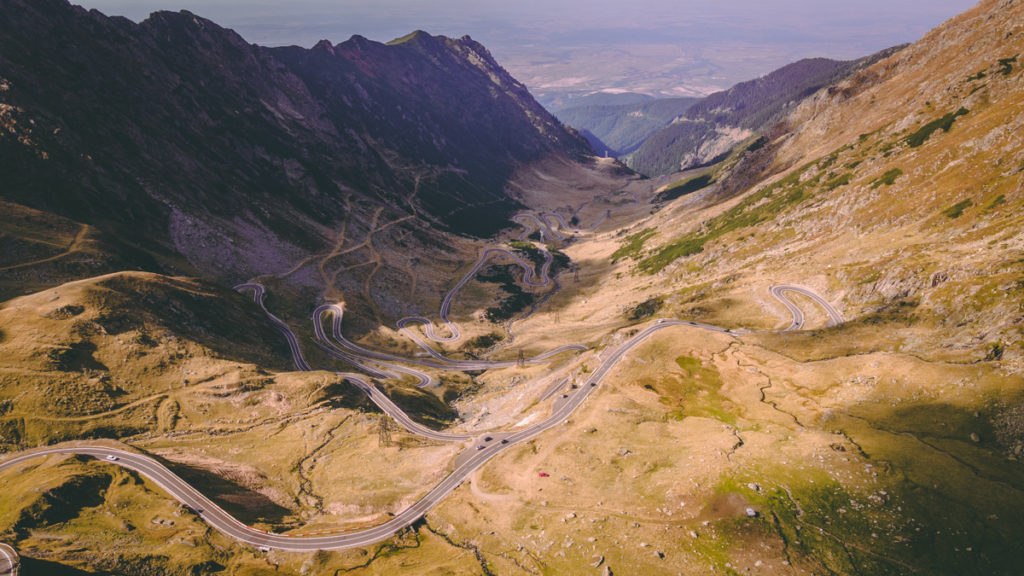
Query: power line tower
{"type": "Point", "coordinates": [384, 431]}
{"type": "Point", "coordinates": [521, 360]}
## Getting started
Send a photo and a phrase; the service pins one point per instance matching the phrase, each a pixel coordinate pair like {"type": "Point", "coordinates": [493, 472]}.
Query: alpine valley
{"type": "Point", "coordinates": [370, 308]}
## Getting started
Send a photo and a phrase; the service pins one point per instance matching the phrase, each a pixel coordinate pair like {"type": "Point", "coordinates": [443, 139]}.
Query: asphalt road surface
{"type": "Point", "coordinates": [779, 292]}
{"type": "Point", "coordinates": [9, 561]}
{"type": "Point", "coordinates": [479, 453]}
{"type": "Point", "coordinates": [476, 454]}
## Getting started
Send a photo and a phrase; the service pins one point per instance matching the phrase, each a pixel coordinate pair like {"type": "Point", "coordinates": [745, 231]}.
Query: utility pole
{"type": "Point", "coordinates": [384, 431]}
{"type": "Point", "coordinates": [521, 360]}
{"type": "Point", "coordinates": [576, 273]}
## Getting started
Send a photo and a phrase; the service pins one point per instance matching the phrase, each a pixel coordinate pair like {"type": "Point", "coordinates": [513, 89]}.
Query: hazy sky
{"type": "Point", "coordinates": [715, 42]}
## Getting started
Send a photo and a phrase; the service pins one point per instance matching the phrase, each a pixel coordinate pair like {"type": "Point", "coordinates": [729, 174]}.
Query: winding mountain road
{"type": "Point", "coordinates": [293, 341]}
{"type": "Point", "coordinates": [9, 561]}
{"type": "Point", "coordinates": [779, 292]}
{"type": "Point", "coordinates": [385, 365]}
{"type": "Point", "coordinates": [446, 304]}
{"type": "Point", "coordinates": [478, 455]}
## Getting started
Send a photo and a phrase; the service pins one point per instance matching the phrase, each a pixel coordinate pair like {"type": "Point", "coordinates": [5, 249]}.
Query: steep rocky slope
{"type": "Point", "coordinates": [178, 135]}
{"type": "Point", "coordinates": [898, 185]}
{"type": "Point", "coordinates": [714, 125]}
{"type": "Point", "coordinates": [889, 444]}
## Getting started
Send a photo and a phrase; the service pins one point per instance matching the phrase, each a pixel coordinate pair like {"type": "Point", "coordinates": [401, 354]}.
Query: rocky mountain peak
{"type": "Point", "coordinates": [236, 154]}
{"type": "Point", "coordinates": [324, 46]}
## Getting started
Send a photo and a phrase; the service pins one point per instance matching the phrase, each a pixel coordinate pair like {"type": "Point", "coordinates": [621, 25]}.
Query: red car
{"type": "Point", "coordinates": [543, 474]}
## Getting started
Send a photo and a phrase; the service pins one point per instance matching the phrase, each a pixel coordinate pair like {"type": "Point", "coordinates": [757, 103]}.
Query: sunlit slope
{"type": "Point", "coordinates": [128, 353]}
{"type": "Point", "coordinates": [899, 191]}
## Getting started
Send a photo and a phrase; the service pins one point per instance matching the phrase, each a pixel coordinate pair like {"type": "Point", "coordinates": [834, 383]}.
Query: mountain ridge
{"type": "Point", "coordinates": [712, 126]}
{"type": "Point", "coordinates": [167, 122]}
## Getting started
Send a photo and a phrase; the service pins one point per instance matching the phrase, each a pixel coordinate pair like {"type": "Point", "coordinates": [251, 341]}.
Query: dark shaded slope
{"type": "Point", "coordinates": [438, 102]}
{"type": "Point", "coordinates": [178, 135]}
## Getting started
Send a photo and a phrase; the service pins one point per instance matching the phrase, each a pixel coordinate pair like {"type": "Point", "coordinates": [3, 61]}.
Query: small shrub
{"type": "Point", "coordinates": [841, 180]}
{"type": "Point", "coordinates": [888, 178]}
{"type": "Point", "coordinates": [757, 144]}
{"type": "Point", "coordinates": [996, 352]}
{"type": "Point", "coordinates": [925, 132]}
{"type": "Point", "coordinates": [645, 309]}
{"type": "Point", "coordinates": [957, 210]}
{"type": "Point", "coordinates": [485, 341]}
{"type": "Point", "coordinates": [999, 201]}
{"type": "Point", "coordinates": [1006, 65]}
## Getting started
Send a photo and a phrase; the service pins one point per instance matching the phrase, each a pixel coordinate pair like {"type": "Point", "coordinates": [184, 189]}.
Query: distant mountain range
{"type": "Point", "coordinates": [620, 127]}
{"type": "Point", "coordinates": [662, 136]}
{"type": "Point", "coordinates": [177, 135]}
{"type": "Point", "coordinates": [712, 126]}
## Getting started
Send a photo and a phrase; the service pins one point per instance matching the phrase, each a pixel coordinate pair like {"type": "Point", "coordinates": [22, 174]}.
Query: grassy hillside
{"type": "Point", "coordinates": [120, 354]}
{"type": "Point", "coordinates": [891, 443]}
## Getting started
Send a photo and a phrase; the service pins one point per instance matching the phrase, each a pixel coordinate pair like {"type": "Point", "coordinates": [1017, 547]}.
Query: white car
{"type": "Point", "coordinates": [111, 457]}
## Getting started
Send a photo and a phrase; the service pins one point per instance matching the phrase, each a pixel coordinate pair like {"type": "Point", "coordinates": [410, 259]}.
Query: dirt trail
{"type": "Point", "coordinates": [73, 247]}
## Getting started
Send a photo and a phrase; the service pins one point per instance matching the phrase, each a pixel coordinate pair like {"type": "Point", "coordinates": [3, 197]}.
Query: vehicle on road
{"type": "Point", "coordinates": [111, 457]}
{"type": "Point", "coordinates": [504, 440]}
{"type": "Point", "coordinates": [481, 447]}
{"type": "Point", "coordinates": [488, 438]}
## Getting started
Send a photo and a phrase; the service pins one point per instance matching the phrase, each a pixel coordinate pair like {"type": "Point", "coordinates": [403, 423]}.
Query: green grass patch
{"type": "Point", "coordinates": [632, 245]}
{"type": "Point", "coordinates": [695, 392]}
{"type": "Point", "coordinates": [516, 300]}
{"type": "Point", "coordinates": [957, 210]}
{"type": "Point", "coordinates": [529, 251]}
{"type": "Point", "coordinates": [925, 132]}
{"type": "Point", "coordinates": [836, 182]}
{"type": "Point", "coordinates": [999, 201]}
{"type": "Point", "coordinates": [754, 209]}
{"type": "Point", "coordinates": [888, 179]}
{"type": "Point", "coordinates": [981, 74]}
{"type": "Point", "coordinates": [685, 187]}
